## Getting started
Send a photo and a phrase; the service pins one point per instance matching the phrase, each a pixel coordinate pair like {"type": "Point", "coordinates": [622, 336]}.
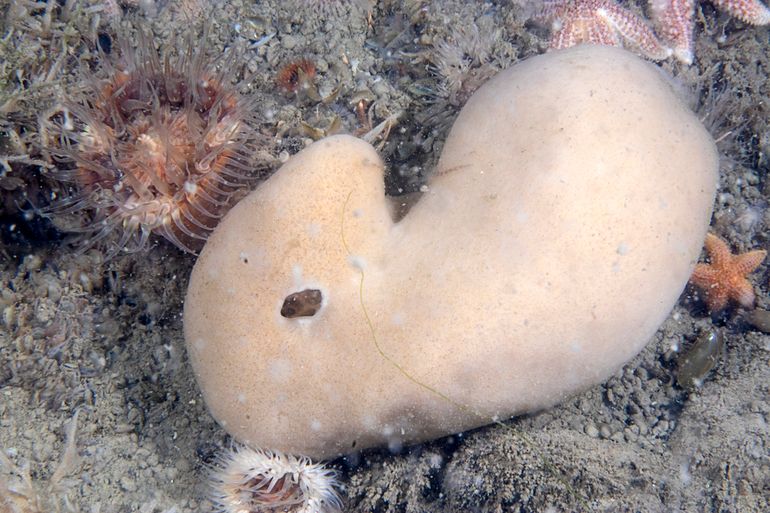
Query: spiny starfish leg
{"type": "Point", "coordinates": [674, 19]}
{"type": "Point", "coordinates": [753, 12]}
{"type": "Point", "coordinates": [600, 22]}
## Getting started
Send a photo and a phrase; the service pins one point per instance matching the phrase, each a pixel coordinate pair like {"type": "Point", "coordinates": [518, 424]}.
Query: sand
{"type": "Point", "coordinates": [105, 338]}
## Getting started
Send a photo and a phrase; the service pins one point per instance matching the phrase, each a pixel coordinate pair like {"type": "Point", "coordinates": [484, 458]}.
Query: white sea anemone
{"type": "Point", "coordinates": [247, 480]}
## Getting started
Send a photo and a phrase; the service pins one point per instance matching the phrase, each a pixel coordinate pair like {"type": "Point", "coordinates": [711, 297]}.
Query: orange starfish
{"type": "Point", "coordinates": [724, 279]}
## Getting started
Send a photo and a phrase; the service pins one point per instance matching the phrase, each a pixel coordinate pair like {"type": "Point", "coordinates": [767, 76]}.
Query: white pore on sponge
{"type": "Point", "coordinates": [561, 225]}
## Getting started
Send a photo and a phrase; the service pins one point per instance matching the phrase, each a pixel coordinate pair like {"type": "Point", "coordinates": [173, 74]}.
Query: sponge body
{"type": "Point", "coordinates": [568, 208]}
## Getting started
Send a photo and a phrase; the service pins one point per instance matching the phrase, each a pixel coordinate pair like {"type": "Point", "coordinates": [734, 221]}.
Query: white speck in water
{"type": "Point", "coordinates": [357, 261]}
{"type": "Point", "coordinates": [368, 421]}
{"type": "Point", "coordinates": [315, 425]}
{"type": "Point", "coordinates": [623, 249]}
{"type": "Point", "coordinates": [244, 257]}
{"type": "Point", "coordinates": [398, 319]}
{"type": "Point", "coordinates": [395, 445]}
{"type": "Point", "coordinates": [314, 229]}
{"type": "Point", "coordinates": [279, 369]}
{"type": "Point", "coordinates": [358, 212]}
{"type": "Point", "coordinates": [241, 398]}
{"type": "Point", "coordinates": [199, 344]}
{"type": "Point", "coordinates": [684, 473]}
{"type": "Point", "coordinates": [575, 346]}
{"type": "Point", "coordinates": [190, 188]}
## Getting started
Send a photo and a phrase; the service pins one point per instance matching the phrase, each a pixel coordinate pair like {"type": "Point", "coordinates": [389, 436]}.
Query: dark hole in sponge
{"type": "Point", "coordinates": [302, 304]}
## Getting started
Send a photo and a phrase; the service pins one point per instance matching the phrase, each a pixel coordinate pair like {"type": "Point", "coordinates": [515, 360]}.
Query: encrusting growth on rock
{"type": "Point", "coordinates": [724, 279]}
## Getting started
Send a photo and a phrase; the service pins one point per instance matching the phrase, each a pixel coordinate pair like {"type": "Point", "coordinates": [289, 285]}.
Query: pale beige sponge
{"type": "Point", "coordinates": [557, 233]}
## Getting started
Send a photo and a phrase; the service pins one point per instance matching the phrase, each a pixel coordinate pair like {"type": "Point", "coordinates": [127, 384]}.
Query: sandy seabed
{"type": "Point", "coordinates": [105, 338]}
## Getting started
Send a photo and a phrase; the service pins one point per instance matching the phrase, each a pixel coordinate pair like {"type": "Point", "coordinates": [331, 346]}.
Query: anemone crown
{"type": "Point", "coordinates": [159, 143]}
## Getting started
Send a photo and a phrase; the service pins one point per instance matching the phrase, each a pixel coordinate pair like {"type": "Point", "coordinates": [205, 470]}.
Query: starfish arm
{"type": "Point", "coordinates": [716, 299]}
{"type": "Point", "coordinates": [634, 30]}
{"type": "Point", "coordinates": [709, 281]}
{"type": "Point", "coordinates": [577, 28]}
{"type": "Point", "coordinates": [674, 20]}
{"type": "Point", "coordinates": [742, 292]}
{"type": "Point", "coordinates": [600, 33]}
{"type": "Point", "coordinates": [568, 34]}
{"type": "Point", "coordinates": [753, 12]}
{"type": "Point", "coordinates": [718, 251]}
{"type": "Point", "coordinates": [704, 276]}
{"type": "Point", "coordinates": [748, 262]}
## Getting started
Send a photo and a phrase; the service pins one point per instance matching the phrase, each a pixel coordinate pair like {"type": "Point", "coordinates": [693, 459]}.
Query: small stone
{"type": "Point", "coordinates": [744, 488]}
{"type": "Point", "coordinates": [171, 473]}
{"type": "Point", "coordinates": [183, 466]}
{"type": "Point", "coordinates": [43, 313]}
{"type": "Point", "coordinates": [629, 435]}
{"type": "Point", "coordinates": [127, 484]}
{"type": "Point", "coordinates": [9, 316]}
{"type": "Point", "coordinates": [380, 88]}
{"type": "Point", "coordinates": [289, 42]}
{"type": "Point", "coordinates": [591, 430]}
{"type": "Point", "coordinates": [33, 262]}
{"type": "Point", "coordinates": [760, 319]}
{"type": "Point", "coordinates": [661, 428]}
